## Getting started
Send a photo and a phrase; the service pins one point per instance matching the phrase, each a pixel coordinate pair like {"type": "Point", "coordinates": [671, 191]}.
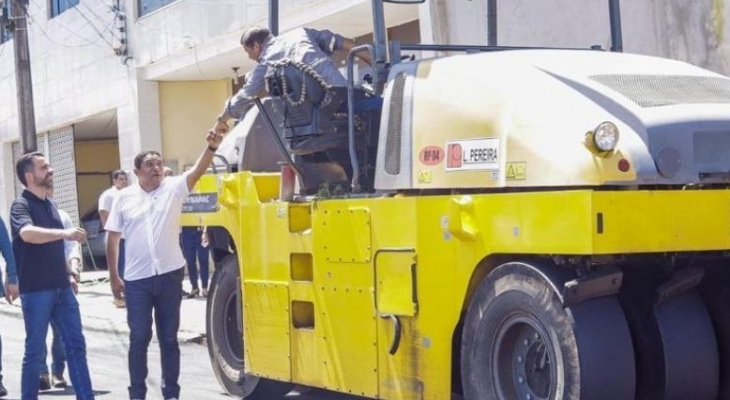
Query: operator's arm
{"type": "Point", "coordinates": [240, 102]}
{"type": "Point", "coordinates": [329, 42]}
{"type": "Point", "coordinates": [214, 140]}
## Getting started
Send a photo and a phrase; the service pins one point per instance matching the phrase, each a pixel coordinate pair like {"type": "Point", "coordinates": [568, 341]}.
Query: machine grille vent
{"type": "Point", "coordinates": [664, 90]}
{"type": "Point", "coordinates": [395, 125]}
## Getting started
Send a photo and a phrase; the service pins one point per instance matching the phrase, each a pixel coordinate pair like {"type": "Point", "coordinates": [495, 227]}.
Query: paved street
{"type": "Point", "coordinates": [107, 339]}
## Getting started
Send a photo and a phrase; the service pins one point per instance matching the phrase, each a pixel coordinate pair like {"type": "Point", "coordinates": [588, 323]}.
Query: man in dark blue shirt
{"type": "Point", "coordinates": [44, 279]}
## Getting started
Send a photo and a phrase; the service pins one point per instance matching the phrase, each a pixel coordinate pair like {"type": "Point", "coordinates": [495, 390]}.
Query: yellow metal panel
{"type": "Point", "coordinates": [527, 223]}
{"type": "Point", "coordinates": [301, 291]}
{"type": "Point", "coordinates": [395, 274]}
{"type": "Point", "coordinates": [266, 333]}
{"type": "Point", "coordinates": [300, 217]}
{"type": "Point", "coordinates": [400, 375]}
{"type": "Point", "coordinates": [308, 365]}
{"type": "Point", "coordinates": [658, 221]}
{"type": "Point", "coordinates": [347, 342]}
{"type": "Point", "coordinates": [348, 233]}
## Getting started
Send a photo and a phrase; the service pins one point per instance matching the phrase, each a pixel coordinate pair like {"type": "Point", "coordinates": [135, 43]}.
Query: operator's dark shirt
{"type": "Point", "coordinates": [40, 266]}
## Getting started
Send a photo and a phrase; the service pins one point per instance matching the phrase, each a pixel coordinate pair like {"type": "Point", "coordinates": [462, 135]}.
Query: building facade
{"type": "Point", "coordinates": [114, 77]}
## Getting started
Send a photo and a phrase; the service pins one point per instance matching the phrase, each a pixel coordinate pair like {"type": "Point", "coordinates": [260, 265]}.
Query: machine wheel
{"type": "Point", "coordinates": [225, 338]}
{"type": "Point", "coordinates": [676, 349]}
{"type": "Point", "coordinates": [519, 342]}
{"type": "Point", "coordinates": [716, 295]}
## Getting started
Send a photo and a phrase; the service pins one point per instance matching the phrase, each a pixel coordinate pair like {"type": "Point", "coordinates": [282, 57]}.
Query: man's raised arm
{"type": "Point", "coordinates": [214, 140]}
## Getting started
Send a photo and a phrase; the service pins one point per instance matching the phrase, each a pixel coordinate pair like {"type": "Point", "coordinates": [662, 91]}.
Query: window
{"type": "Point", "coordinates": [59, 6]}
{"type": "Point", "coordinates": [147, 6]}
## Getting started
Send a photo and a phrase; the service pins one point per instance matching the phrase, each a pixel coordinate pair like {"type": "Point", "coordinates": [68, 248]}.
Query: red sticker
{"type": "Point", "coordinates": [431, 155]}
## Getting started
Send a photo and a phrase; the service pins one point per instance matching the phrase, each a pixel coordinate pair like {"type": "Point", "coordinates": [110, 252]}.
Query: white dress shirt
{"type": "Point", "coordinates": [150, 224]}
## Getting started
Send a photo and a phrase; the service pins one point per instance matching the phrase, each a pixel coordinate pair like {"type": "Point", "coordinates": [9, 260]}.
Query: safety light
{"type": "Point", "coordinates": [605, 137]}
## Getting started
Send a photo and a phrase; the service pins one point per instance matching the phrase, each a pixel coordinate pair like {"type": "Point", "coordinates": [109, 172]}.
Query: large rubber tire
{"type": "Point", "coordinates": [519, 342]}
{"type": "Point", "coordinates": [715, 292]}
{"type": "Point", "coordinates": [225, 338]}
{"type": "Point", "coordinates": [675, 346]}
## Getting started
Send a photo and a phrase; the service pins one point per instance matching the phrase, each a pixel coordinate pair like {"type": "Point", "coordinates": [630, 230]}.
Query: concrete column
{"type": "Point", "coordinates": [139, 119]}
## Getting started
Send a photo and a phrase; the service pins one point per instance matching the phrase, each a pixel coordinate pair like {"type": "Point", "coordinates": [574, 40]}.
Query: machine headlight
{"type": "Point", "coordinates": [605, 137]}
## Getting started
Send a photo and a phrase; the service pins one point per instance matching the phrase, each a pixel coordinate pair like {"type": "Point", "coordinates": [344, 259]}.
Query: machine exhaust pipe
{"type": "Point", "coordinates": [274, 17]}
{"type": "Point", "coordinates": [491, 22]}
{"type": "Point", "coordinates": [614, 12]}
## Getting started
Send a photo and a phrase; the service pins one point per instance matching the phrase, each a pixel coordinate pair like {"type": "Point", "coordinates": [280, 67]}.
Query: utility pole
{"type": "Point", "coordinates": [24, 83]}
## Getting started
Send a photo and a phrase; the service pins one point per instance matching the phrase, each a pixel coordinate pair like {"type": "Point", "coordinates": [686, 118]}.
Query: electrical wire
{"type": "Point", "coordinates": [50, 39]}
{"type": "Point", "coordinates": [72, 32]}
{"type": "Point", "coordinates": [101, 35]}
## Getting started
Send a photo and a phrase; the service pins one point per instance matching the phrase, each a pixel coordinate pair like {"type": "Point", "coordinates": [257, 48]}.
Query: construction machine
{"type": "Point", "coordinates": [510, 223]}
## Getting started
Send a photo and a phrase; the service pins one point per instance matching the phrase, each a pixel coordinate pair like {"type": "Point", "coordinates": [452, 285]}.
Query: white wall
{"type": "Point", "coordinates": [694, 31]}
{"type": "Point", "coordinates": [76, 75]}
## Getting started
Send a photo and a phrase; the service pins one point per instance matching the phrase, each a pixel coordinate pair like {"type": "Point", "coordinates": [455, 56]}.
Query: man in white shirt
{"type": "Point", "coordinates": [119, 181]}
{"type": "Point", "coordinates": [147, 214]}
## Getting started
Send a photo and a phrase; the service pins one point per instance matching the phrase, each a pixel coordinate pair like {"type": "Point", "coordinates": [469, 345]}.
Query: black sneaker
{"type": "Point", "coordinates": [45, 383]}
{"type": "Point", "coordinates": [3, 391]}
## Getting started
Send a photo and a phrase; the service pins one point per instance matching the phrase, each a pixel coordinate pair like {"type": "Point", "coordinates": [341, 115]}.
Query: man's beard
{"type": "Point", "coordinates": [46, 182]}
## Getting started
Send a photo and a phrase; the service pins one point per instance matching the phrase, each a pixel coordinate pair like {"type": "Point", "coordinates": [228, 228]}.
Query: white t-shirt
{"type": "Point", "coordinates": [107, 198]}
{"type": "Point", "coordinates": [71, 248]}
{"type": "Point", "coordinates": [150, 224]}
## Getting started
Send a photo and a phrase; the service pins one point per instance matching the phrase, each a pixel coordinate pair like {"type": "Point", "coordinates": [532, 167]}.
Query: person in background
{"type": "Point", "coordinates": [192, 248]}
{"type": "Point", "coordinates": [72, 251]}
{"type": "Point", "coordinates": [148, 214]}
{"type": "Point", "coordinates": [195, 254]}
{"type": "Point", "coordinates": [119, 181]}
{"type": "Point", "coordinates": [44, 281]}
{"type": "Point", "coordinates": [9, 288]}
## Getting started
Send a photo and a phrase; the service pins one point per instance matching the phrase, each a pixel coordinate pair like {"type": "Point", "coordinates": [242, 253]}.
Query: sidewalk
{"type": "Point", "coordinates": [98, 313]}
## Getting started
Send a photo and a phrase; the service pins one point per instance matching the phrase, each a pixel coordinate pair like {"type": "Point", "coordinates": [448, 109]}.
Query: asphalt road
{"type": "Point", "coordinates": [107, 357]}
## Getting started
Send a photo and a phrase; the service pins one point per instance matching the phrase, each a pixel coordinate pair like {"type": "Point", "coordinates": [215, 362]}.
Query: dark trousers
{"type": "Point", "coordinates": [161, 295]}
{"type": "Point", "coordinates": [195, 253]}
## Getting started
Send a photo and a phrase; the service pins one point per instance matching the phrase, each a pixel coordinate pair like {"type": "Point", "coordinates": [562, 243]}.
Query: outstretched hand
{"type": "Point", "coordinates": [220, 127]}
{"type": "Point", "coordinates": [214, 138]}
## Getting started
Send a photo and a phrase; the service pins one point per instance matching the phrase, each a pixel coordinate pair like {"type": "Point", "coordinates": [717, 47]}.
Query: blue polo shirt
{"type": "Point", "coordinates": [40, 266]}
